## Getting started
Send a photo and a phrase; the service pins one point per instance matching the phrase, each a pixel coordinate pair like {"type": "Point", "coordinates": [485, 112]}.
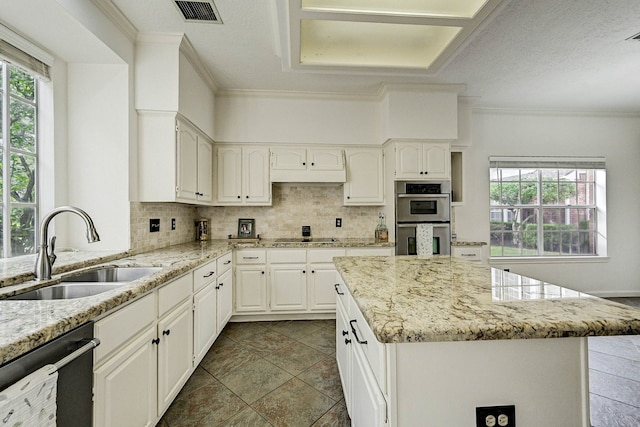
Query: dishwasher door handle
{"type": "Point", "coordinates": [93, 343]}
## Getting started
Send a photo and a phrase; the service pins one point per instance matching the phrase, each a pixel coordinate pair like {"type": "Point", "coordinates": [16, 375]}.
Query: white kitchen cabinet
{"type": "Point", "coordinates": [423, 160]}
{"type": "Point", "coordinates": [224, 300]}
{"type": "Point", "coordinates": [343, 351]}
{"type": "Point", "coordinates": [125, 386]}
{"type": "Point", "coordinates": [242, 175]}
{"type": "Point", "coordinates": [368, 407]}
{"type": "Point", "coordinates": [205, 315]}
{"type": "Point", "coordinates": [365, 177]}
{"type": "Point", "coordinates": [299, 164]}
{"type": "Point", "coordinates": [321, 281]}
{"type": "Point", "coordinates": [288, 287]}
{"type": "Point", "coordinates": [175, 160]}
{"type": "Point", "coordinates": [195, 164]}
{"type": "Point", "coordinates": [468, 252]}
{"type": "Point", "coordinates": [250, 286]}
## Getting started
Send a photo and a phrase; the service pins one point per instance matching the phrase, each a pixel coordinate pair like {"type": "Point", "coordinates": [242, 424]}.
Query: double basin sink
{"type": "Point", "coordinates": [88, 283]}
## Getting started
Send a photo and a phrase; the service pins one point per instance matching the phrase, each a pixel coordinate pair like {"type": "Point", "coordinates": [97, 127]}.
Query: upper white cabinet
{"type": "Point", "coordinates": [175, 160]}
{"type": "Point", "coordinates": [293, 164]}
{"type": "Point", "coordinates": [365, 177]}
{"type": "Point", "coordinates": [242, 175]}
{"type": "Point", "coordinates": [423, 160]}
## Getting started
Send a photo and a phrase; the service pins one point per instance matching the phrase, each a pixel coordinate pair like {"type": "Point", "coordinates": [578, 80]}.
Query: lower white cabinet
{"type": "Point", "coordinates": [125, 385]}
{"type": "Point", "coordinates": [368, 407]}
{"type": "Point", "coordinates": [343, 351]}
{"type": "Point", "coordinates": [175, 353]}
{"type": "Point", "coordinates": [150, 348]}
{"type": "Point", "coordinates": [288, 286]}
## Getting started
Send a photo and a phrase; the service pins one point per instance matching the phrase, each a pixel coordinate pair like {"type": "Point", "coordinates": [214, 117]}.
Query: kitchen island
{"type": "Point", "coordinates": [424, 341]}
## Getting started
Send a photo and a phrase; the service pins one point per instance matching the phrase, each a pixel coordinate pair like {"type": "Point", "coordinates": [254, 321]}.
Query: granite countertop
{"type": "Point", "coordinates": [28, 324]}
{"type": "Point", "coordinates": [419, 299]}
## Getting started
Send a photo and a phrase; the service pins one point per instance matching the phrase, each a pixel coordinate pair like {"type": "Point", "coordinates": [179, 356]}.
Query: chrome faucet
{"type": "Point", "coordinates": [45, 259]}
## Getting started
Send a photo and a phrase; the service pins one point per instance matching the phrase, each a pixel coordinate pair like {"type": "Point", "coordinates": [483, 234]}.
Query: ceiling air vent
{"type": "Point", "coordinates": [199, 11]}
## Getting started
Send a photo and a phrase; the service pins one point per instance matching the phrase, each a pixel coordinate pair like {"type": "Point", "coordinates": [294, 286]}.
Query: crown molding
{"type": "Point", "coordinates": [115, 15]}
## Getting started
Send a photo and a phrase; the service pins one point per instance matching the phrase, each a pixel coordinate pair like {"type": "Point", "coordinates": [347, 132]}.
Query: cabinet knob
{"type": "Point", "coordinates": [155, 341]}
{"type": "Point", "coordinates": [217, 287]}
{"type": "Point", "coordinates": [421, 173]}
{"type": "Point", "coordinates": [247, 197]}
{"type": "Point", "coordinates": [304, 271]}
{"type": "Point", "coordinates": [262, 272]}
{"type": "Point", "coordinates": [347, 341]}
{"type": "Point", "coordinates": [304, 163]}
{"type": "Point", "coordinates": [239, 197]}
{"type": "Point", "coordinates": [345, 333]}
{"type": "Point", "coordinates": [348, 197]}
{"type": "Point", "coordinates": [167, 332]}
{"type": "Point", "coordinates": [313, 164]}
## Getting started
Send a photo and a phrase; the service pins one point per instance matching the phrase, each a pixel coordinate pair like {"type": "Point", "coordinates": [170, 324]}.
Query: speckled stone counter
{"type": "Point", "coordinates": [410, 299]}
{"type": "Point", "coordinates": [28, 324]}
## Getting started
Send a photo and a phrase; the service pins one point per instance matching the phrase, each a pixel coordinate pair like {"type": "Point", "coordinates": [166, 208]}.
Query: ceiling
{"type": "Point", "coordinates": [561, 55]}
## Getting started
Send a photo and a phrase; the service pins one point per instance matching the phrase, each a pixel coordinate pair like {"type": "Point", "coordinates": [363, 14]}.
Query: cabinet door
{"type": "Point", "coordinates": [255, 176]}
{"type": "Point", "coordinates": [288, 286]}
{"type": "Point", "coordinates": [343, 353]}
{"type": "Point", "coordinates": [224, 299]}
{"type": "Point", "coordinates": [251, 288]}
{"type": "Point", "coordinates": [289, 159]}
{"type": "Point", "coordinates": [322, 292]}
{"type": "Point", "coordinates": [229, 173]}
{"type": "Point", "coordinates": [325, 160]}
{"type": "Point", "coordinates": [125, 385]}
{"type": "Point", "coordinates": [205, 328]}
{"type": "Point", "coordinates": [408, 160]}
{"type": "Point", "coordinates": [436, 160]}
{"type": "Point", "coordinates": [187, 141]}
{"type": "Point", "coordinates": [175, 353]}
{"type": "Point", "coordinates": [205, 170]}
{"type": "Point", "coordinates": [365, 177]}
{"type": "Point", "coordinates": [368, 407]}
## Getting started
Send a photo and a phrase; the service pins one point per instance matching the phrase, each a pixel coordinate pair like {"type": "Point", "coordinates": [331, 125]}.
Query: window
{"type": "Point", "coordinates": [546, 207]}
{"type": "Point", "coordinates": [18, 160]}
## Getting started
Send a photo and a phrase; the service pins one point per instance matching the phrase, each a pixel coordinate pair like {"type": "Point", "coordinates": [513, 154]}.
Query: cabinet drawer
{"type": "Point", "coordinates": [372, 349]}
{"type": "Point", "coordinates": [324, 255]}
{"type": "Point", "coordinates": [287, 256]}
{"type": "Point", "coordinates": [119, 327]}
{"type": "Point", "coordinates": [258, 256]}
{"type": "Point", "coordinates": [224, 262]}
{"type": "Point", "coordinates": [174, 293]}
{"type": "Point", "coordinates": [471, 253]}
{"type": "Point", "coordinates": [203, 275]}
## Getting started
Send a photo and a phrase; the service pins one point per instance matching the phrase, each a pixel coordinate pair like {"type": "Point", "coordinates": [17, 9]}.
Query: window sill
{"type": "Point", "coordinates": [548, 260]}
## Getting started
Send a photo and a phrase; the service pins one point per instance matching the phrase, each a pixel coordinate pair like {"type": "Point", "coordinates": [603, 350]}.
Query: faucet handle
{"type": "Point", "coordinates": [52, 255]}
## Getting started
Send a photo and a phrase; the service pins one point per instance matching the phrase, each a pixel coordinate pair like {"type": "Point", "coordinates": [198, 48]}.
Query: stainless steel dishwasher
{"type": "Point", "coordinates": [72, 354]}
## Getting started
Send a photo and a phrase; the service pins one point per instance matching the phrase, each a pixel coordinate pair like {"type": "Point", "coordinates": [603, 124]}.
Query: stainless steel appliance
{"type": "Point", "coordinates": [423, 202]}
{"type": "Point", "coordinates": [71, 354]}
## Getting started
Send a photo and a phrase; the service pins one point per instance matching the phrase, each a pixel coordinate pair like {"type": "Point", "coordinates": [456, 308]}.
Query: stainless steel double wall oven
{"type": "Point", "coordinates": [423, 202]}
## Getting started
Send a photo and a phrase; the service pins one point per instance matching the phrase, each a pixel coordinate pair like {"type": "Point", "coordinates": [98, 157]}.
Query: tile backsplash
{"type": "Point", "coordinates": [294, 205]}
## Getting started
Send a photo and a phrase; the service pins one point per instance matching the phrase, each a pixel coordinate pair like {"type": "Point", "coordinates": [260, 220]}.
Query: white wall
{"type": "Point", "coordinates": [518, 134]}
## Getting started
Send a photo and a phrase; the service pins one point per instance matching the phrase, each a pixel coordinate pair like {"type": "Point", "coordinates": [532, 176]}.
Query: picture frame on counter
{"type": "Point", "coordinates": [246, 228]}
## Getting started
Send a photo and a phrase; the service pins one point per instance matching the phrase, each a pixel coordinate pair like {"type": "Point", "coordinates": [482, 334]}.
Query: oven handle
{"type": "Point", "coordinates": [422, 196]}
{"type": "Point", "coordinates": [93, 343]}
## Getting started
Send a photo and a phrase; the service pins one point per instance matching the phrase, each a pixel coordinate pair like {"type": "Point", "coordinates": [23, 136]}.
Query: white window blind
{"type": "Point", "coordinates": [543, 162]}
{"type": "Point", "coordinates": [20, 52]}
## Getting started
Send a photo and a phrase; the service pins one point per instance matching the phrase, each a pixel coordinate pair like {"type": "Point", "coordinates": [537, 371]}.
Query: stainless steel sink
{"type": "Point", "coordinates": [88, 283]}
{"type": "Point", "coordinates": [67, 291]}
{"type": "Point", "coordinates": [112, 274]}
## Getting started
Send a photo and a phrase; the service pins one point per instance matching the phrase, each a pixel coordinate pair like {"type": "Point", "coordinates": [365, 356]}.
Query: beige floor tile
{"type": "Point", "coordinates": [298, 329]}
{"type": "Point", "coordinates": [238, 331]}
{"type": "Point", "coordinates": [266, 342]}
{"type": "Point", "coordinates": [324, 377]}
{"type": "Point", "coordinates": [255, 380]}
{"type": "Point", "coordinates": [335, 417]}
{"type": "Point", "coordinates": [323, 340]}
{"type": "Point", "coordinates": [293, 404]}
{"type": "Point", "coordinates": [226, 357]}
{"type": "Point", "coordinates": [295, 357]}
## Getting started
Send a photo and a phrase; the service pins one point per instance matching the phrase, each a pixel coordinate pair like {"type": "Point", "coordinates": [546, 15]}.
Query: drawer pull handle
{"type": "Point", "coordinates": [249, 257]}
{"type": "Point", "coordinates": [227, 262]}
{"type": "Point", "coordinates": [211, 273]}
{"type": "Point", "coordinates": [220, 284]}
{"type": "Point", "coordinates": [338, 290]}
{"type": "Point", "coordinates": [167, 332]}
{"type": "Point", "coordinates": [347, 341]}
{"type": "Point", "coordinates": [355, 334]}
{"type": "Point", "coordinates": [155, 341]}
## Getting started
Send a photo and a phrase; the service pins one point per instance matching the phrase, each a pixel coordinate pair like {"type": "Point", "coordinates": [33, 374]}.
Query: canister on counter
{"type": "Point", "coordinates": [202, 229]}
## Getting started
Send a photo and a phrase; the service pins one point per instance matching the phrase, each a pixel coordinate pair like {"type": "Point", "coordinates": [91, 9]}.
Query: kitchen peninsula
{"type": "Point", "coordinates": [430, 339]}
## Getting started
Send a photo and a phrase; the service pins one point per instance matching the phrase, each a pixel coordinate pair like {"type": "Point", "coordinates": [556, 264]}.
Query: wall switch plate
{"type": "Point", "coordinates": [496, 416]}
{"type": "Point", "coordinates": [306, 231]}
{"type": "Point", "coordinates": [338, 222]}
{"type": "Point", "coordinates": [173, 223]}
{"type": "Point", "coordinates": [154, 225]}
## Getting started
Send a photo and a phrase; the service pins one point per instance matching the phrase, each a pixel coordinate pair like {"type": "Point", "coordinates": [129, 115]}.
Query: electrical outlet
{"type": "Point", "coordinates": [338, 222]}
{"type": "Point", "coordinates": [154, 225]}
{"type": "Point", "coordinates": [496, 416]}
{"type": "Point", "coordinates": [173, 223]}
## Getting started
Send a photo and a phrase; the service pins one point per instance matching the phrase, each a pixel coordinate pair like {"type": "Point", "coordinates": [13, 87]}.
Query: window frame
{"type": "Point", "coordinates": [597, 206]}
{"type": "Point", "coordinates": [7, 150]}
